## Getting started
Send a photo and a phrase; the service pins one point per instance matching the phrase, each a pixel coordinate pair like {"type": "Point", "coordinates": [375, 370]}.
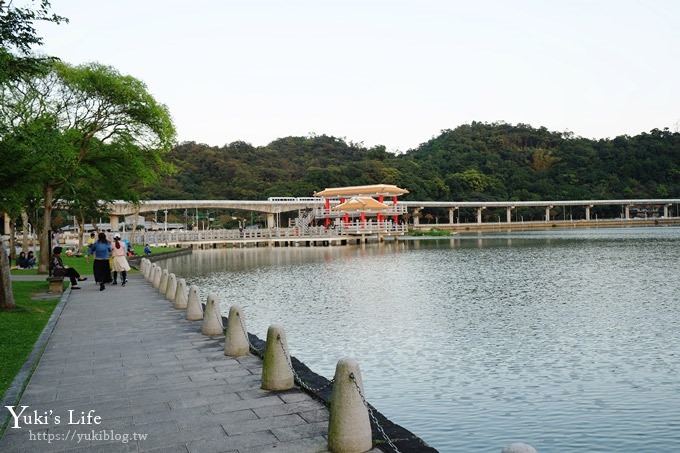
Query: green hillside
{"type": "Point", "coordinates": [478, 161]}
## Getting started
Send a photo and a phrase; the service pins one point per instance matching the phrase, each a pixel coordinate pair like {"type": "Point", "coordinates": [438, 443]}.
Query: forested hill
{"type": "Point", "coordinates": [479, 161]}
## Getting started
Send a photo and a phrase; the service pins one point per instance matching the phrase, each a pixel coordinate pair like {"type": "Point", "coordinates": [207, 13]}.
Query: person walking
{"type": "Point", "coordinates": [101, 267]}
{"type": "Point", "coordinates": [60, 270]}
{"type": "Point", "coordinates": [120, 262]}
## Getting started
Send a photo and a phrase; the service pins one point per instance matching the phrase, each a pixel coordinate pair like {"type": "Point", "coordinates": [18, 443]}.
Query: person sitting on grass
{"type": "Point", "coordinates": [30, 260]}
{"type": "Point", "coordinates": [58, 269]}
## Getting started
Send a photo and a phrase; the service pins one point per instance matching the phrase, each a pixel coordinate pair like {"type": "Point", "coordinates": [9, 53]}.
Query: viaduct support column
{"type": "Point", "coordinates": [508, 213]}
{"type": "Point", "coordinates": [547, 213]}
{"type": "Point", "coordinates": [627, 212]}
{"type": "Point", "coordinates": [452, 211]}
{"type": "Point", "coordinates": [271, 223]}
{"type": "Point", "coordinates": [416, 218]}
{"type": "Point", "coordinates": [114, 223]}
{"type": "Point", "coordinates": [479, 214]}
{"type": "Point", "coordinates": [588, 211]}
{"type": "Point", "coordinates": [665, 209]}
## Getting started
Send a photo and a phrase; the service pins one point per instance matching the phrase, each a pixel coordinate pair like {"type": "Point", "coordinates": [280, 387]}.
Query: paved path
{"type": "Point", "coordinates": [155, 382]}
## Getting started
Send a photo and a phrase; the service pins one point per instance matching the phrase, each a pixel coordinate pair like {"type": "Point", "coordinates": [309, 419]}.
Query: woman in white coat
{"type": "Point", "coordinates": [120, 262]}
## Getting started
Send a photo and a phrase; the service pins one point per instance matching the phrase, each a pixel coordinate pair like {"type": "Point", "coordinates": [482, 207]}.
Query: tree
{"type": "Point", "coordinates": [86, 130]}
{"type": "Point", "coordinates": [17, 36]}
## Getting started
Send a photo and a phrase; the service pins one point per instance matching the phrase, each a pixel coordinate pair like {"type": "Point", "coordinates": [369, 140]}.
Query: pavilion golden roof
{"type": "Point", "coordinates": [359, 191]}
{"type": "Point", "coordinates": [361, 204]}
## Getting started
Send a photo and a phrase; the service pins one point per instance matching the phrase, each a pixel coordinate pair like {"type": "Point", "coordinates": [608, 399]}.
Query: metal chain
{"type": "Point", "coordinates": [370, 414]}
{"type": "Point", "coordinates": [297, 378]}
{"type": "Point", "coordinates": [218, 314]}
{"type": "Point", "coordinates": [243, 328]}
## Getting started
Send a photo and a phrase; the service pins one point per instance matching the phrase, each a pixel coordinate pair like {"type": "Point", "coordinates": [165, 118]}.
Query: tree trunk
{"type": "Point", "coordinates": [43, 266]}
{"type": "Point", "coordinates": [81, 231]}
{"type": "Point", "coordinates": [24, 231]}
{"type": "Point", "coordinates": [12, 244]}
{"type": "Point", "coordinates": [6, 295]}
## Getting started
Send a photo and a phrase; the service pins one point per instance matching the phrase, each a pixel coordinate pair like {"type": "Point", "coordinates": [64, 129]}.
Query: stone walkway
{"type": "Point", "coordinates": [124, 371]}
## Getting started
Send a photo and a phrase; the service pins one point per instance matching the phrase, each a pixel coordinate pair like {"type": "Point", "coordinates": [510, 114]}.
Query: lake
{"type": "Point", "coordinates": [567, 340]}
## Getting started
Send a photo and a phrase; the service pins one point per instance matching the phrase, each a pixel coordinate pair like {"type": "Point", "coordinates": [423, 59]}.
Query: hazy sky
{"type": "Point", "coordinates": [391, 73]}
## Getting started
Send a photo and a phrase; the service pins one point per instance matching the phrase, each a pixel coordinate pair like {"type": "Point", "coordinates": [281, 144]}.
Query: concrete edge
{"type": "Point", "coordinates": [16, 389]}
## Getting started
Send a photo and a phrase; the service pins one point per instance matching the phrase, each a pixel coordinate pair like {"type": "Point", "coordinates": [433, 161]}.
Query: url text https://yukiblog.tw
{"type": "Point", "coordinates": [73, 435]}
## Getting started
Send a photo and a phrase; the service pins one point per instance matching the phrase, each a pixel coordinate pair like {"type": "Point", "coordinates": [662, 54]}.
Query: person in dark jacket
{"type": "Point", "coordinates": [58, 269]}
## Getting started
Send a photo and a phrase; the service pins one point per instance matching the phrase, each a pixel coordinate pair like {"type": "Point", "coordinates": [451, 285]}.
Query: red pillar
{"type": "Point", "coordinates": [381, 199]}
{"type": "Point", "coordinates": [327, 211]}
{"type": "Point", "coordinates": [363, 220]}
{"type": "Point", "coordinates": [395, 217]}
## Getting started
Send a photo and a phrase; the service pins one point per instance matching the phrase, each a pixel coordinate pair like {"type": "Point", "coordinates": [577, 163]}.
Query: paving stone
{"type": "Point", "coordinates": [127, 355]}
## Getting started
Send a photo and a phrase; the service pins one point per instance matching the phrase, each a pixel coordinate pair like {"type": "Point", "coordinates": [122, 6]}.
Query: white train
{"type": "Point", "coordinates": [296, 199]}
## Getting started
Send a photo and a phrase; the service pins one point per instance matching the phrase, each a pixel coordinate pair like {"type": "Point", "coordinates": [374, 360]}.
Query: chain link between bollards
{"type": "Point", "coordinates": [243, 328]}
{"type": "Point", "coordinates": [370, 414]}
{"type": "Point", "coordinates": [296, 377]}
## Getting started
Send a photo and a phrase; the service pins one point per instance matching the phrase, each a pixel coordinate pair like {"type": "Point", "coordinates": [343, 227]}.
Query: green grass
{"type": "Point", "coordinates": [84, 266]}
{"type": "Point", "coordinates": [21, 327]}
{"type": "Point", "coordinates": [431, 232]}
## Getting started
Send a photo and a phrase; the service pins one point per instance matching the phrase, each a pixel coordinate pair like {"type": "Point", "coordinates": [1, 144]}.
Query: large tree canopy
{"type": "Point", "coordinates": [84, 134]}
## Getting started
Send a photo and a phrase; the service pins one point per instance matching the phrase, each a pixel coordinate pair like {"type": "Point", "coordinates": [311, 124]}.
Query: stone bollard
{"type": "Point", "coordinates": [518, 447]}
{"type": "Point", "coordinates": [212, 319]}
{"type": "Point", "coordinates": [236, 342]}
{"type": "Point", "coordinates": [163, 284]}
{"type": "Point", "coordinates": [148, 270]}
{"type": "Point", "coordinates": [349, 429]}
{"type": "Point", "coordinates": [194, 310]}
{"type": "Point", "coordinates": [172, 287]}
{"type": "Point", "coordinates": [277, 371]}
{"type": "Point", "coordinates": [156, 276]}
{"type": "Point", "coordinates": [181, 295]}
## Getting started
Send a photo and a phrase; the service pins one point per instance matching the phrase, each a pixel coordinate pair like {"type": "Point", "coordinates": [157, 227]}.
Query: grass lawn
{"type": "Point", "coordinates": [20, 328]}
{"type": "Point", "coordinates": [84, 267]}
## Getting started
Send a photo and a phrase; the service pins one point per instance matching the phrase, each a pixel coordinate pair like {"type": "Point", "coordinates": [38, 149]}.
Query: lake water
{"type": "Point", "coordinates": [566, 340]}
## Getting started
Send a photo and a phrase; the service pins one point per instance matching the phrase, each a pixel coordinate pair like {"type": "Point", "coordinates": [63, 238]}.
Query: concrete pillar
{"type": "Point", "coordinates": [508, 213]}
{"type": "Point", "coordinates": [479, 214]}
{"type": "Point", "coordinates": [416, 219]}
{"type": "Point", "coordinates": [349, 428]}
{"type": "Point", "coordinates": [277, 371]}
{"type": "Point", "coordinates": [194, 310]}
{"type": "Point", "coordinates": [7, 219]}
{"type": "Point", "coordinates": [588, 211]}
{"type": "Point", "coordinates": [114, 222]}
{"type": "Point", "coordinates": [547, 213]}
{"type": "Point", "coordinates": [666, 207]}
{"type": "Point", "coordinates": [271, 222]}
{"type": "Point", "coordinates": [181, 295]}
{"type": "Point", "coordinates": [627, 212]}
{"type": "Point", "coordinates": [518, 447]}
{"type": "Point", "coordinates": [452, 212]}
{"type": "Point", "coordinates": [172, 287]}
{"type": "Point", "coordinates": [163, 283]}
{"type": "Point", "coordinates": [236, 342]}
{"type": "Point", "coordinates": [157, 273]}
{"type": "Point", "coordinates": [212, 319]}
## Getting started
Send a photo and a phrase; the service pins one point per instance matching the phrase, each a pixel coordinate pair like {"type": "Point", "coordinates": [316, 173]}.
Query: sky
{"type": "Point", "coordinates": [393, 73]}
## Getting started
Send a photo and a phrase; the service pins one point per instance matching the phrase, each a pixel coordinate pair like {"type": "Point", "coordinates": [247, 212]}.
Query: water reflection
{"type": "Point", "coordinates": [563, 339]}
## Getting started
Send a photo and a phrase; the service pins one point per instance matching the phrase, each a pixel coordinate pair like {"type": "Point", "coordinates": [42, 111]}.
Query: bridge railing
{"type": "Point", "coordinates": [341, 229]}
